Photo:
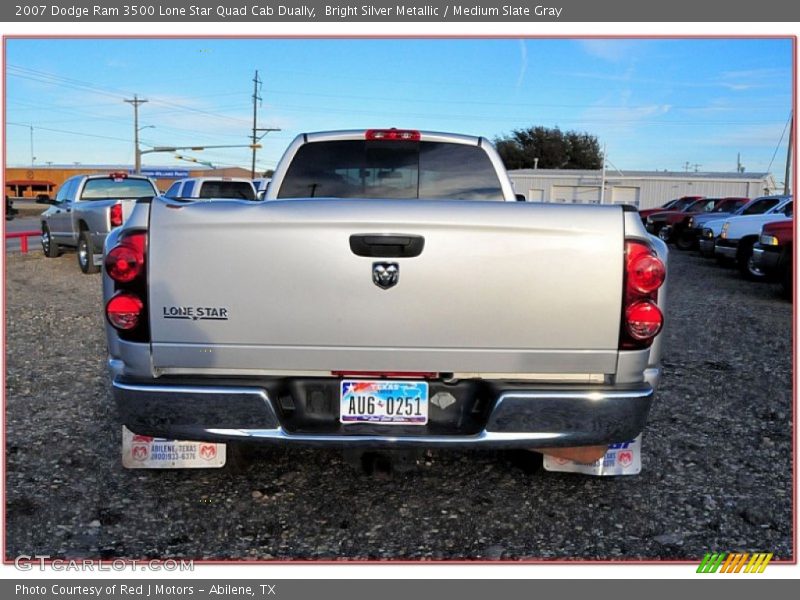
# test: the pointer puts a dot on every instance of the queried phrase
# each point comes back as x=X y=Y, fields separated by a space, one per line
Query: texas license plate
x=384 y=402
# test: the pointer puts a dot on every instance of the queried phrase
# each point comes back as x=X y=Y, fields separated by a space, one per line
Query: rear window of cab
x=391 y=169
x=106 y=188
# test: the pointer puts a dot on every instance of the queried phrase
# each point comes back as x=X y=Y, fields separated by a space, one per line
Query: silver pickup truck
x=86 y=208
x=389 y=292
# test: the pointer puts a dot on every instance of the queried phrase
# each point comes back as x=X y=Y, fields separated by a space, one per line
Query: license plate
x=384 y=402
x=145 y=452
x=620 y=459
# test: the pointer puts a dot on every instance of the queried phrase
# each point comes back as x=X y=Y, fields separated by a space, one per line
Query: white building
x=643 y=189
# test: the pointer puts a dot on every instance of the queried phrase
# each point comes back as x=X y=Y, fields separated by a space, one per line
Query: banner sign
x=401 y=11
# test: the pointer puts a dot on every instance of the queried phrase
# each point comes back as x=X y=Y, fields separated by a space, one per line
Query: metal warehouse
x=644 y=189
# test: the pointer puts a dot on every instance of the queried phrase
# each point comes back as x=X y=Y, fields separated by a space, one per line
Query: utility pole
x=255 y=138
x=33 y=158
x=137 y=155
x=788 y=176
x=256 y=100
x=603 y=178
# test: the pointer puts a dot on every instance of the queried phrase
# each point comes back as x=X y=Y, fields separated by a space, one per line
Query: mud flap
x=621 y=459
x=144 y=452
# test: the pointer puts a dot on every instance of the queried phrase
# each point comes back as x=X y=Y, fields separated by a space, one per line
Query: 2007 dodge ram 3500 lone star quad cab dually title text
x=390 y=292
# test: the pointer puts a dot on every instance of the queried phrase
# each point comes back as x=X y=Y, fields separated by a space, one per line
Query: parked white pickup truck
x=212 y=188
x=86 y=208
x=738 y=235
x=389 y=292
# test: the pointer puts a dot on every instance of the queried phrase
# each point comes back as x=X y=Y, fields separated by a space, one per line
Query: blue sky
x=656 y=104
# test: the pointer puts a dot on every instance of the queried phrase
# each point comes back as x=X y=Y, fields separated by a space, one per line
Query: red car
x=686 y=231
x=772 y=255
x=676 y=204
x=661 y=223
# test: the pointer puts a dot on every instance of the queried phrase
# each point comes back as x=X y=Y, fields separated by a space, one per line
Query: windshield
x=727 y=205
x=759 y=207
x=670 y=204
x=227 y=189
x=703 y=205
x=391 y=169
x=117 y=189
x=682 y=203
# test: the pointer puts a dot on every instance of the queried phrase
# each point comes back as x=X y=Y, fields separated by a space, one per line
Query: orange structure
x=33 y=182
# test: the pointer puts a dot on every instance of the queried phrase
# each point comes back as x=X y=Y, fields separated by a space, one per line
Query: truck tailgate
x=499 y=287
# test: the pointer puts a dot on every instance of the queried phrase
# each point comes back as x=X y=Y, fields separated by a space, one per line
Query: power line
x=394 y=114
x=104 y=137
x=65 y=82
x=81 y=84
x=93 y=117
x=198 y=110
x=774 y=154
x=509 y=104
x=42 y=76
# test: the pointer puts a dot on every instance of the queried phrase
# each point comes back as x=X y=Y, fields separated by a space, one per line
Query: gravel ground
x=717 y=466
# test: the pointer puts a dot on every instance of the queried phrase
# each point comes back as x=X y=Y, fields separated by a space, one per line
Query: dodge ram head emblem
x=385 y=275
x=208 y=451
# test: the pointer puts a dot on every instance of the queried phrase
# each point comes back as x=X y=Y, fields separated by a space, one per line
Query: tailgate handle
x=387 y=245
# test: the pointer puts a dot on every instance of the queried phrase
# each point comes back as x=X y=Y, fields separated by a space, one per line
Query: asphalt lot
x=716 y=475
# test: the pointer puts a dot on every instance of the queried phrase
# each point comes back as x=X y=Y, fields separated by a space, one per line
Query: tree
x=553 y=148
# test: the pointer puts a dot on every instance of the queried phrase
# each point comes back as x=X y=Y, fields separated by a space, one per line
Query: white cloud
x=523 y=60
x=610 y=50
x=750 y=135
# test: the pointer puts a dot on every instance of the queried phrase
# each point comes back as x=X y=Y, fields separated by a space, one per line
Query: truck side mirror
x=519 y=197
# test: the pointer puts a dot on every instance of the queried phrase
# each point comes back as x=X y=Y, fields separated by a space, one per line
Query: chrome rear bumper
x=548 y=416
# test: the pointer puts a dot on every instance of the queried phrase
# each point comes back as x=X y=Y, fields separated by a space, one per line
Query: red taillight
x=125 y=261
x=126 y=265
x=645 y=273
x=406 y=135
x=115 y=215
x=643 y=320
x=124 y=311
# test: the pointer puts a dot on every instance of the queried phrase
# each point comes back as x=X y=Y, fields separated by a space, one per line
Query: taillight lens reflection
x=643 y=320
x=646 y=273
x=124 y=311
x=125 y=262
